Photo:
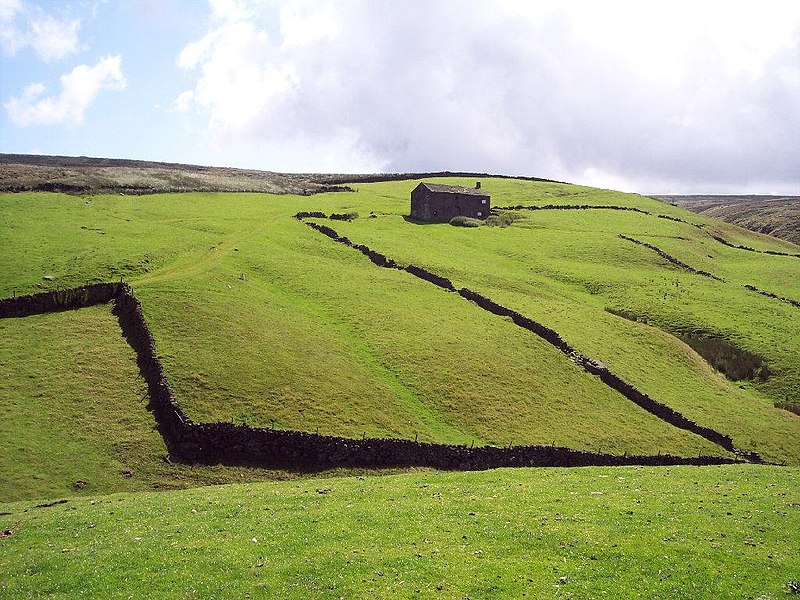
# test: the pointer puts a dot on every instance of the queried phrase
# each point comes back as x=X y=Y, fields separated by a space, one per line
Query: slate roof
x=454 y=189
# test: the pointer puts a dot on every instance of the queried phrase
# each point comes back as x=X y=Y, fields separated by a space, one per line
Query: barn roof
x=453 y=189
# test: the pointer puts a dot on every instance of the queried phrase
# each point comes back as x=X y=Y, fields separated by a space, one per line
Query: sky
x=673 y=97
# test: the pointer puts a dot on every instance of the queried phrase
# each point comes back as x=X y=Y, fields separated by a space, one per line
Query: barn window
x=480 y=214
x=483 y=201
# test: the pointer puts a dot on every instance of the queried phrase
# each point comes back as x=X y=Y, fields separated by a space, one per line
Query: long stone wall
x=59 y=300
x=600 y=370
x=590 y=365
x=240 y=444
x=670 y=258
x=227 y=443
x=172 y=421
x=752 y=288
x=725 y=242
x=572 y=207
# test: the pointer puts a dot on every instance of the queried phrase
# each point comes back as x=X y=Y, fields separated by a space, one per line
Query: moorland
x=778 y=216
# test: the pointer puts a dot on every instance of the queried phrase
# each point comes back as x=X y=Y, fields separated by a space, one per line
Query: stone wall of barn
x=440 y=207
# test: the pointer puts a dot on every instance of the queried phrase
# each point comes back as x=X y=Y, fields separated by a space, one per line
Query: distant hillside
x=86 y=175
x=778 y=216
x=82 y=175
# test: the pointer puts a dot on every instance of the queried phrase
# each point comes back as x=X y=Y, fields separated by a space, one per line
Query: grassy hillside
x=259 y=319
x=75 y=417
x=85 y=175
x=710 y=532
x=563 y=267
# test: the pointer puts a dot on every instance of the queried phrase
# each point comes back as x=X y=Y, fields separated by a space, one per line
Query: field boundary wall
x=228 y=443
x=590 y=365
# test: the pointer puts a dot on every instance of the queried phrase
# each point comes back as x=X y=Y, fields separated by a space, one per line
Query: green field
x=682 y=532
x=260 y=319
x=563 y=268
x=74 y=412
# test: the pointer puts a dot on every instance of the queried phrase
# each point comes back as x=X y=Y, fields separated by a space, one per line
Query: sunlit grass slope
x=710 y=532
x=262 y=320
x=563 y=268
x=266 y=322
x=73 y=408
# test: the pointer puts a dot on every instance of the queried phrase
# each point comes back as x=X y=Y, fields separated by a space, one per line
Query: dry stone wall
x=670 y=258
x=240 y=444
x=228 y=443
x=170 y=417
x=700 y=226
x=59 y=300
x=600 y=370
x=572 y=207
x=725 y=242
x=752 y=288
x=590 y=365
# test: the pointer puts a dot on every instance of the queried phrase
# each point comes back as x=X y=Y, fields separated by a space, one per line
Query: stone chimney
x=477 y=185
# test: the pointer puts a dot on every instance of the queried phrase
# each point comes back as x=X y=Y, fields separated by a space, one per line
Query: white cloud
x=9 y=9
x=23 y=25
x=53 y=39
x=11 y=37
x=79 y=89
x=676 y=93
x=230 y=10
x=183 y=103
x=237 y=82
x=306 y=23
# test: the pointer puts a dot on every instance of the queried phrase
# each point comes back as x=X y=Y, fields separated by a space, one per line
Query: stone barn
x=436 y=203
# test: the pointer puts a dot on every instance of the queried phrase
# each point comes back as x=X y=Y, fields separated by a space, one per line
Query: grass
x=316 y=344
x=74 y=412
x=259 y=319
x=461 y=221
x=564 y=268
x=711 y=532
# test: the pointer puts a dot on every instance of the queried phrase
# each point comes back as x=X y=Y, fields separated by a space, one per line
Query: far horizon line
x=31 y=158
